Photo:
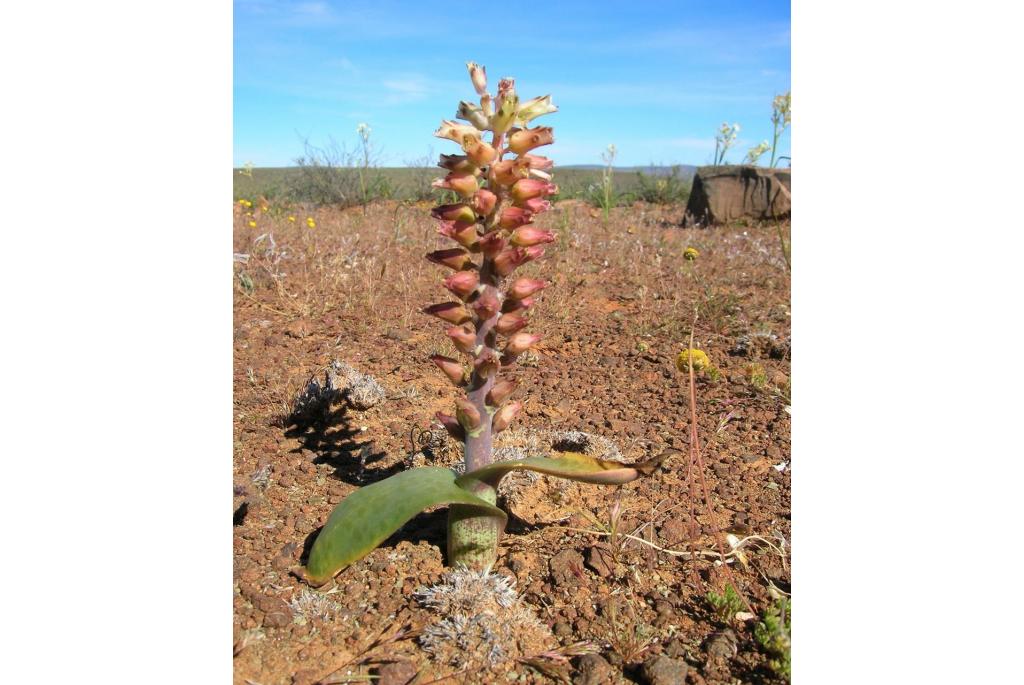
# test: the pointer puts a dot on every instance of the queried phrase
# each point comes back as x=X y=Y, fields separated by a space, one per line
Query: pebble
x=664 y=670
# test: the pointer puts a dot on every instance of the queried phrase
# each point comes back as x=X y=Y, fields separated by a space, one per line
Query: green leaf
x=369 y=515
x=570 y=465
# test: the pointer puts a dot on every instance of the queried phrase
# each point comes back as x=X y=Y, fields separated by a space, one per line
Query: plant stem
x=473 y=538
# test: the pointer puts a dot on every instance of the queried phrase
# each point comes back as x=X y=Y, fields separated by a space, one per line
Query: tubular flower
x=492 y=243
x=535 y=205
x=509 y=260
x=484 y=202
x=457 y=214
x=531 y=109
x=527 y=236
x=454 y=258
x=463 y=337
x=520 y=342
x=503 y=417
x=479 y=152
x=508 y=171
x=458 y=164
x=514 y=217
x=456 y=132
x=473 y=114
x=525 y=139
x=511 y=305
x=462 y=283
x=467 y=415
x=529 y=188
x=451 y=425
x=524 y=287
x=463 y=234
x=478 y=75
x=452 y=312
x=500 y=392
x=452 y=368
x=463 y=184
x=487 y=305
x=507 y=324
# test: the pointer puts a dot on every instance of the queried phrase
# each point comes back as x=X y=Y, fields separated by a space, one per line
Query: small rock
x=396 y=673
x=600 y=559
x=276 y=613
x=562 y=629
x=592 y=669
x=663 y=670
x=722 y=645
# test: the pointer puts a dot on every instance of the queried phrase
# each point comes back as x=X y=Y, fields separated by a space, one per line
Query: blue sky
x=657 y=79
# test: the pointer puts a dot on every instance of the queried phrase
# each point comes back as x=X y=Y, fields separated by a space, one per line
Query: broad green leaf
x=570 y=465
x=369 y=515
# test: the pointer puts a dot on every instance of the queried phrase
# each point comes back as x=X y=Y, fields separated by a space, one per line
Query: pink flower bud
x=524 y=287
x=525 y=139
x=452 y=368
x=456 y=132
x=483 y=202
x=538 y=162
x=452 y=312
x=478 y=75
x=467 y=415
x=511 y=305
x=508 y=171
x=451 y=425
x=507 y=324
x=536 y=205
x=462 y=283
x=492 y=243
x=503 y=417
x=505 y=262
x=529 y=188
x=520 y=342
x=464 y=338
x=463 y=184
x=479 y=152
x=462 y=234
x=487 y=305
x=506 y=89
x=458 y=164
x=514 y=217
x=486 y=363
x=526 y=236
x=500 y=392
x=454 y=258
x=460 y=214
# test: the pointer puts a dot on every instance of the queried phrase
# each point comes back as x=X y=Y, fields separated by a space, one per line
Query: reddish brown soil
x=619 y=310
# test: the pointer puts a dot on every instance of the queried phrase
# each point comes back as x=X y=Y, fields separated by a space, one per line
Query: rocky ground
x=583 y=606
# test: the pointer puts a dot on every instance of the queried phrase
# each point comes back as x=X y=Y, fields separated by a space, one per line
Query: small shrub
x=724 y=606
x=772 y=634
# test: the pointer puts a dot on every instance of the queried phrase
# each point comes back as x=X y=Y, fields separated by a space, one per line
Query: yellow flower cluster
x=245 y=203
x=699 y=359
x=310 y=222
x=690 y=254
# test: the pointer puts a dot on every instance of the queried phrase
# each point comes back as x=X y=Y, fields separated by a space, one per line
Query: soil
x=619 y=311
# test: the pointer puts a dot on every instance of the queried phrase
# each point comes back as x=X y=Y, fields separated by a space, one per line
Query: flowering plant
x=493 y=229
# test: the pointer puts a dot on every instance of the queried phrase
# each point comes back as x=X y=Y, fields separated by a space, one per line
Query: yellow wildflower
x=698 y=357
x=292 y=219
x=310 y=222
x=252 y=224
x=690 y=254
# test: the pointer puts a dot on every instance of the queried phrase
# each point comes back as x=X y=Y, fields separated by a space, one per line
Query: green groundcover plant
x=492 y=225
